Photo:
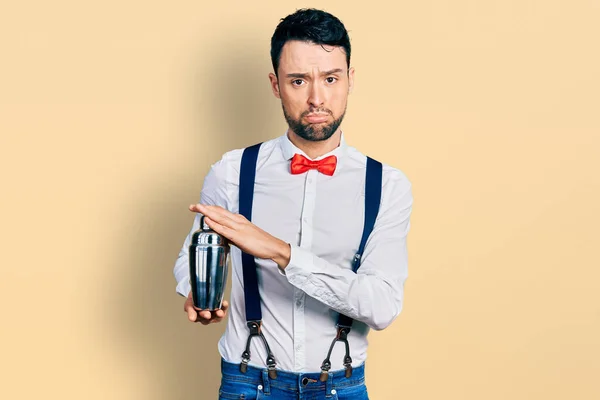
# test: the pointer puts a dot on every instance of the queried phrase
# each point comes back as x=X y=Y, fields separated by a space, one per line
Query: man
x=307 y=220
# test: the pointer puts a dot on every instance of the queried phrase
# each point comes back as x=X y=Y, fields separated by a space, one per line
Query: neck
x=315 y=149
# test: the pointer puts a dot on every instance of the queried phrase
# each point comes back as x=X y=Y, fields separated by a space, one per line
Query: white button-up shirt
x=322 y=218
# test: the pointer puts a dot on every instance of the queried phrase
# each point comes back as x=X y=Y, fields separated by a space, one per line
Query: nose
x=315 y=97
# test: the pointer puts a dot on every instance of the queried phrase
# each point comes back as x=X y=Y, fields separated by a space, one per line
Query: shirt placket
x=306 y=238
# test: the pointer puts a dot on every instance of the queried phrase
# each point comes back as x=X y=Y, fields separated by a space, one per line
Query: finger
x=229 y=233
x=192 y=314
x=219 y=214
x=196 y=208
x=203 y=208
x=225 y=305
x=213 y=209
x=205 y=314
x=218 y=218
x=219 y=314
x=203 y=319
x=217 y=227
x=239 y=218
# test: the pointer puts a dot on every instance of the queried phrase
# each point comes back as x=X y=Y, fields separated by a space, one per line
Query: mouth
x=316 y=118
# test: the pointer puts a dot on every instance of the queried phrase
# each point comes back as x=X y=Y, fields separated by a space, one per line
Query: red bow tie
x=301 y=164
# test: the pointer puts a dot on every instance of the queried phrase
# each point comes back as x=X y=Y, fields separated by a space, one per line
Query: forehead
x=298 y=56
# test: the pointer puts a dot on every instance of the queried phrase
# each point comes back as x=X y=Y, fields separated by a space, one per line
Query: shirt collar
x=289 y=149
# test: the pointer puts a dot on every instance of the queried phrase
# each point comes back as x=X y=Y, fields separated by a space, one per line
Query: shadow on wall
x=175 y=358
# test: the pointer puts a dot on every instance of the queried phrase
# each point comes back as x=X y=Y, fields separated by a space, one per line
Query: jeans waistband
x=294 y=381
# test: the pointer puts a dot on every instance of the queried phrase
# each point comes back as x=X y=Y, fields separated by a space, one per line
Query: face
x=313 y=84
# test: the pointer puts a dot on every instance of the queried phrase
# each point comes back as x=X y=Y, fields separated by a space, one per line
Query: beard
x=313 y=132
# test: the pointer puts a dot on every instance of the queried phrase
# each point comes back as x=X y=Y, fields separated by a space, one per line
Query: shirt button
x=309 y=180
x=299 y=303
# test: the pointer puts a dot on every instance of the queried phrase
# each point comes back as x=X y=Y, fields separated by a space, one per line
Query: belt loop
x=266 y=382
x=329 y=385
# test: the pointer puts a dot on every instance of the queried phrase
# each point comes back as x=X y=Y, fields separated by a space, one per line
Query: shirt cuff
x=300 y=267
x=184 y=287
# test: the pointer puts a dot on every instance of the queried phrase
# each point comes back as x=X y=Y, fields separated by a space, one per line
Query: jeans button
x=305 y=381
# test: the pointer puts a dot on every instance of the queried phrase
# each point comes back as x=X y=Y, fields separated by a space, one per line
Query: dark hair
x=309 y=25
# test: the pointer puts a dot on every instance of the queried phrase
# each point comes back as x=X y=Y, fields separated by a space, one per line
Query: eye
x=331 y=79
x=297 y=82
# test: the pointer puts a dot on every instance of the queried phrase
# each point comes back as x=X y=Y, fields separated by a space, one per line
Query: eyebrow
x=306 y=75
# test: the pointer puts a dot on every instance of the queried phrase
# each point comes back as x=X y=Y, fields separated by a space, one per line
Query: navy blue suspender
x=251 y=293
x=247 y=175
x=372 y=202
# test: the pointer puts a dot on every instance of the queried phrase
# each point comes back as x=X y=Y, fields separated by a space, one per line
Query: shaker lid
x=206 y=236
x=203 y=225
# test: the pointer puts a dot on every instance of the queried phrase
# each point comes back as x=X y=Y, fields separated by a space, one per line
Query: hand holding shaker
x=208 y=267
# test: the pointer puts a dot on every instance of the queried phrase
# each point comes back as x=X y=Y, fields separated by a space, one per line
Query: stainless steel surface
x=208 y=267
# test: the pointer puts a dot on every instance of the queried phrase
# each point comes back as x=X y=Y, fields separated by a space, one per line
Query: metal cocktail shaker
x=208 y=267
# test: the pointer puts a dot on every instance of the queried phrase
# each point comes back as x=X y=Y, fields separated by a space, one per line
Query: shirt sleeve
x=374 y=294
x=214 y=192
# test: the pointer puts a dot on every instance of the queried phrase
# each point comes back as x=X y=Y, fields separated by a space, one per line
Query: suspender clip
x=255 y=330
x=254 y=327
x=341 y=336
x=271 y=366
x=244 y=364
x=342 y=333
x=348 y=366
x=356 y=261
x=325 y=367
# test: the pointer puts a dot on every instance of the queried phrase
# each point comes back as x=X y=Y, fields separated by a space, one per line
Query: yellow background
x=111 y=113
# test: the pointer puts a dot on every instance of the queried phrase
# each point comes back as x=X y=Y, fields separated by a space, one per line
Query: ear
x=350 y=80
x=274 y=85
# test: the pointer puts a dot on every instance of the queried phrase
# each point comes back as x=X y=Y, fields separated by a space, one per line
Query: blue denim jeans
x=255 y=384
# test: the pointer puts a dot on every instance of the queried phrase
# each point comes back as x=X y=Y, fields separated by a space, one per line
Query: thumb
x=192 y=314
